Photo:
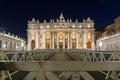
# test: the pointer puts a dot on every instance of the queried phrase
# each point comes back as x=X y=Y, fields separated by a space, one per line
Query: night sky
x=14 y=15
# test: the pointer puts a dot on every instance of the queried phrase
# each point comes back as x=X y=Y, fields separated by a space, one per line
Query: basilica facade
x=60 y=34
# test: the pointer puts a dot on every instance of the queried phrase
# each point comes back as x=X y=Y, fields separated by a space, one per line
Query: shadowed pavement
x=59 y=57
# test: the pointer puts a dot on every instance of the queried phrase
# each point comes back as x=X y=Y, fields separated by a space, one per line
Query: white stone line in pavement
x=30 y=76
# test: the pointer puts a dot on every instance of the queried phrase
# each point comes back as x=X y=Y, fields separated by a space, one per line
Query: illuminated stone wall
x=10 y=42
x=110 y=38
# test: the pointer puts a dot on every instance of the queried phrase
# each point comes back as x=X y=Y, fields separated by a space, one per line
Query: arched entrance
x=33 y=44
x=88 y=44
x=47 y=44
x=60 y=45
x=61 y=39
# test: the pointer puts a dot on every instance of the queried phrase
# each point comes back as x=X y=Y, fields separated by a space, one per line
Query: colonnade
x=9 y=45
x=67 y=41
x=63 y=40
x=55 y=40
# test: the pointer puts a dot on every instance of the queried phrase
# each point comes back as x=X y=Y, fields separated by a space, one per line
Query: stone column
x=118 y=45
x=84 y=39
x=12 y=47
x=52 y=41
x=44 y=41
x=93 y=39
x=64 y=42
x=2 y=43
x=76 y=40
x=8 y=45
x=68 y=47
x=36 y=41
x=70 y=41
x=57 y=41
x=29 y=41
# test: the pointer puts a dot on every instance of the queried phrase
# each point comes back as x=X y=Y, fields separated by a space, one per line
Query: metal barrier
x=98 y=56
x=89 y=55
x=105 y=62
x=34 y=55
